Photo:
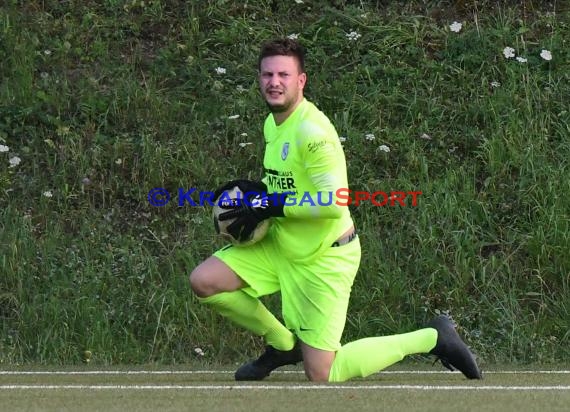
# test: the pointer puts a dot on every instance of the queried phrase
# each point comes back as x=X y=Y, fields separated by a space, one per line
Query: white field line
x=289 y=387
x=221 y=372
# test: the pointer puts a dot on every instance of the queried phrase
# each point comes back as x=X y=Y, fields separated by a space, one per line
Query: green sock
x=250 y=313
x=367 y=356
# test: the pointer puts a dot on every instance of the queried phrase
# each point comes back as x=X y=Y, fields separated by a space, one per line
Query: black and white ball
x=235 y=195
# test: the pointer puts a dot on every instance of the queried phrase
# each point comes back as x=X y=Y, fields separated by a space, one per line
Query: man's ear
x=302 y=80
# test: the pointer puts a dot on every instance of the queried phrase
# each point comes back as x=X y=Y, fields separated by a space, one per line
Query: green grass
x=394 y=390
x=103 y=101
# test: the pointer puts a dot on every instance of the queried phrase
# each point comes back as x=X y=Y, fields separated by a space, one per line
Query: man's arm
x=325 y=166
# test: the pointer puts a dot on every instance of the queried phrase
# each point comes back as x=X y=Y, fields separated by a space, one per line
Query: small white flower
x=342 y=139
x=3 y=148
x=47 y=52
x=521 y=59
x=546 y=55
x=509 y=52
x=199 y=351
x=369 y=136
x=384 y=148
x=425 y=136
x=14 y=161
x=244 y=144
x=44 y=75
x=119 y=161
x=233 y=116
x=47 y=193
x=495 y=84
x=455 y=27
x=299 y=1
x=244 y=134
x=220 y=70
x=353 y=36
x=293 y=36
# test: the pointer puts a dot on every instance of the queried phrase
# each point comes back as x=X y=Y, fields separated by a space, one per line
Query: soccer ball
x=221 y=226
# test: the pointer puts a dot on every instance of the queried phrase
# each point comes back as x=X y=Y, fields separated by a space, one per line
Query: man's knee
x=317 y=363
x=199 y=282
x=317 y=373
x=213 y=276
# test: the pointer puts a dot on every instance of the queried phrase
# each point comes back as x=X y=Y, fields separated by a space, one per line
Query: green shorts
x=314 y=295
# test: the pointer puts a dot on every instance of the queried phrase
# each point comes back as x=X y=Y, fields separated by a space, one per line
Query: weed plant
x=101 y=101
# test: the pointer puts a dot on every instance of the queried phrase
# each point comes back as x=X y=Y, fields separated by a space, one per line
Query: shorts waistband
x=347 y=239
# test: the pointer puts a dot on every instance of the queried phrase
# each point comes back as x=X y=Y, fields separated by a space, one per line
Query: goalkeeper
x=311 y=253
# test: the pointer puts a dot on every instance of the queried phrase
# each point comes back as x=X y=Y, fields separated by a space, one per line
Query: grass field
x=215 y=390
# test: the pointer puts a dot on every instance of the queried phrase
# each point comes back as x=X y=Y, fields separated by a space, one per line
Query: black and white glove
x=255 y=206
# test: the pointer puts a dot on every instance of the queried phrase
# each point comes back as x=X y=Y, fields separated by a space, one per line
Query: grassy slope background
x=102 y=101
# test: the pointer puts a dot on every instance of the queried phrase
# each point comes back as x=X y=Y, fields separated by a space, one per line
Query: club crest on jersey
x=285 y=151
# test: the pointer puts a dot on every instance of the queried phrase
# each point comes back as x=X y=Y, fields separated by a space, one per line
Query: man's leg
x=366 y=356
x=217 y=284
x=315 y=303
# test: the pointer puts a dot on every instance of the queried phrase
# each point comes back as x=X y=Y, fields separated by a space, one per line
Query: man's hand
x=254 y=206
x=259 y=206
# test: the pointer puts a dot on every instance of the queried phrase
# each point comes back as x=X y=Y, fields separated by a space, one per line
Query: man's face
x=281 y=83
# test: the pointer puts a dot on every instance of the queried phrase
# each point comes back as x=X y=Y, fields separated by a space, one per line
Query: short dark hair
x=283 y=47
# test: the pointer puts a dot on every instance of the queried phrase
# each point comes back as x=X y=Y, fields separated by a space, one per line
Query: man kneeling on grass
x=311 y=253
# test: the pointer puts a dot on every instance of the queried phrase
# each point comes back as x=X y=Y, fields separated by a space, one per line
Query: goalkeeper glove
x=255 y=207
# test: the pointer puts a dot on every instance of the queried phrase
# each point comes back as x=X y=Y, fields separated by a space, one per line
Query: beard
x=278 y=108
x=281 y=107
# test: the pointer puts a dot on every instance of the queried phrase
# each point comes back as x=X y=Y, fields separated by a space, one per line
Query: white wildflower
x=293 y=36
x=244 y=144
x=546 y=55
x=233 y=116
x=4 y=148
x=455 y=27
x=521 y=59
x=220 y=70
x=47 y=52
x=44 y=75
x=495 y=84
x=199 y=351
x=14 y=161
x=47 y=193
x=369 y=136
x=425 y=136
x=353 y=36
x=509 y=52
x=244 y=134
x=342 y=139
x=384 y=148
x=119 y=161
x=299 y=1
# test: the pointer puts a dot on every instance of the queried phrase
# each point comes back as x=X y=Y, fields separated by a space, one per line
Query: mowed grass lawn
x=215 y=390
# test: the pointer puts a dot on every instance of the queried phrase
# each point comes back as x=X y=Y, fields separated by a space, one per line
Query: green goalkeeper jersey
x=304 y=158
